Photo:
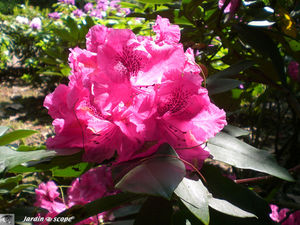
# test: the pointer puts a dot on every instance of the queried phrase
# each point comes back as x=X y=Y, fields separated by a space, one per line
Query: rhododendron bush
x=137 y=107
x=142 y=125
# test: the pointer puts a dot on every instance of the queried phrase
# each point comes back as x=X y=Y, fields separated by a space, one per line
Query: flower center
x=129 y=62
x=177 y=101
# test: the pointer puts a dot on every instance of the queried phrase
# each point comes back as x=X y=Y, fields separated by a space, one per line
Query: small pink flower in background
x=72 y=2
x=78 y=13
x=232 y=6
x=280 y=215
x=47 y=197
x=36 y=23
x=54 y=15
x=94 y=184
x=293 y=70
x=88 y=7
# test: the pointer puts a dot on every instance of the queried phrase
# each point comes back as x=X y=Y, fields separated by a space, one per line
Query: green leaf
x=66 y=71
x=9 y=180
x=226 y=207
x=235 y=131
x=223 y=188
x=155 y=210
x=216 y=86
x=51 y=73
x=3 y=130
x=71 y=171
x=26 y=148
x=81 y=212
x=232 y=70
x=9 y=183
x=60 y=166
x=15 y=135
x=21 y=187
x=194 y=196
x=89 y=22
x=237 y=153
x=158 y=175
x=263 y=44
x=64 y=34
x=10 y=158
x=72 y=24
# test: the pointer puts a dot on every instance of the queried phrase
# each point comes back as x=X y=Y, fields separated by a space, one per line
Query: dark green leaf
x=263 y=44
x=81 y=212
x=215 y=86
x=159 y=175
x=235 y=131
x=89 y=22
x=156 y=211
x=72 y=24
x=194 y=196
x=232 y=70
x=10 y=158
x=15 y=135
x=21 y=187
x=230 y=150
x=6 y=181
x=64 y=34
x=223 y=188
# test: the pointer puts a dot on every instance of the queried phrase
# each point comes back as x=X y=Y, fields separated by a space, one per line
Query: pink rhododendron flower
x=47 y=197
x=77 y=13
x=293 y=70
x=54 y=15
x=125 y=91
x=36 y=23
x=280 y=215
x=72 y=2
x=88 y=7
x=232 y=6
x=94 y=184
x=165 y=31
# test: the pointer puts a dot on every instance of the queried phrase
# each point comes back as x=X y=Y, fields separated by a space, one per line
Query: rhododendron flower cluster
x=283 y=216
x=126 y=91
x=83 y=190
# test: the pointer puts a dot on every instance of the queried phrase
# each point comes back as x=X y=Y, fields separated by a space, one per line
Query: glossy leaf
x=194 y=196
x=217 y=86
x=263 y=44
x=10 y=158
x=235 y=131
x=237 y=153
x=3 y=130
x=222 y=187
x=226 y=207
x=232 y=70
x=158 y=175
x=81 y=212
x=15 y=135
